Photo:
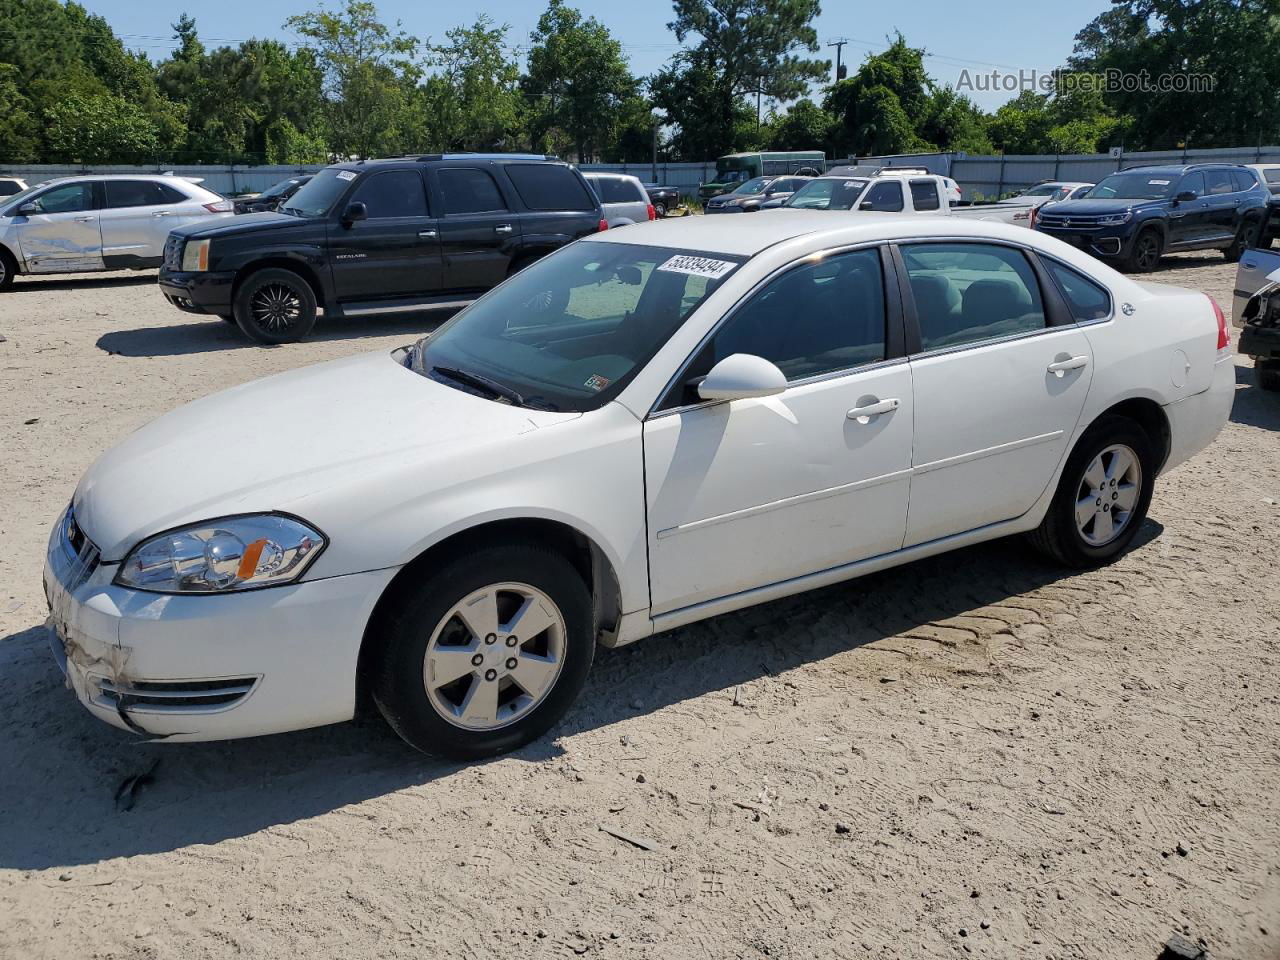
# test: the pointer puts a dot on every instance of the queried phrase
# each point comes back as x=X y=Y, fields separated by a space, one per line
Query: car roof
x=446 y=158
x=748 y=235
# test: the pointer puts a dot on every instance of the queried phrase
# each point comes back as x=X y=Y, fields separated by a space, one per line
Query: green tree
x=682 y=90
x=100 y=128
x=19 y=127
x=370 y=75
x=578 y=80
x=743 y=46
x=804 y=126
x=881 y=108
x=472 y=100
x=954 y=122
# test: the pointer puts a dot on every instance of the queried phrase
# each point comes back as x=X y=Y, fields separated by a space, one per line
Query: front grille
x=82 y=553
x=173 y=253
x=171 y=696
x=1060 y=221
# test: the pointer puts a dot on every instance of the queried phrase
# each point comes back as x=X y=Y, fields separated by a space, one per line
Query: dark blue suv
x=1134 y=217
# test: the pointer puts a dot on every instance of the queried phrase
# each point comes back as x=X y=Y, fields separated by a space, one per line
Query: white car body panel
x=713 y=507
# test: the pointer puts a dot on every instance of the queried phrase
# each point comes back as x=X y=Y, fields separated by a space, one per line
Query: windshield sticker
x=1158 y=183
x=346 y=175
x=698 y=266
x=596 y=382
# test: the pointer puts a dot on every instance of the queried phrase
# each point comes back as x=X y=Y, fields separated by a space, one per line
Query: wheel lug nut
x=477 y=659
x=1115 y=496
x=512 y=640
x=1099 y=503
x=511 y=663
x=491 y=638
x=491 y=674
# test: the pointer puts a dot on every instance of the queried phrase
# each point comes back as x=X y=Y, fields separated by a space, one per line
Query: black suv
x=379 y=236
x=1136 y=216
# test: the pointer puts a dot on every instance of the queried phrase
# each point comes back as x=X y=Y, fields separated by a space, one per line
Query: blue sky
x=1029 y=35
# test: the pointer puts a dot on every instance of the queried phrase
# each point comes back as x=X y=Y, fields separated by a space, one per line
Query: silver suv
x=80 y=224
x=623 y=198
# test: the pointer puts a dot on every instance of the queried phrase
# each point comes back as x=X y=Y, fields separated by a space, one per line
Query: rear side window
x=549 y=186
x=616 y=190
x=968 y=292
x=140 y=193
x=924 y=195
x=470 y=191
x=393 y=193
x=886 y=197
x=1272 y=174
x=1244 y=179
x=1087 y=300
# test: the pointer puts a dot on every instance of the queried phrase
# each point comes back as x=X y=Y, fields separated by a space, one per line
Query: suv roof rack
x=484 y=156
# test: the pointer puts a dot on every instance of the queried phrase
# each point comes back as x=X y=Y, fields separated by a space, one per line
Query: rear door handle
x=427 y=234
x=864 y=414
x=1059 y=368
x=502 y=228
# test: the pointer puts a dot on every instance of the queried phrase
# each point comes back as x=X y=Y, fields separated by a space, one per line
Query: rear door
x=64 y=236
x=1223 y=203
x=479 y=234
x=556 y=204
x=137 y=216
x=395 y=252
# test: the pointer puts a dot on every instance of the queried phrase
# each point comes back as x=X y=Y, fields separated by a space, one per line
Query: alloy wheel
x=1148 y=251
x=275 y=307
x=494 y=656
x=1108 y=494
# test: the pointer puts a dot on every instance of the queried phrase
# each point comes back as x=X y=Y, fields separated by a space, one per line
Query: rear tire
x=660 y=208
x=1146 y=251
x=1102 y=497
x=1247 y=237
x=275 y=306
x=1268 y=374
x=489 y=707
x=8 y=269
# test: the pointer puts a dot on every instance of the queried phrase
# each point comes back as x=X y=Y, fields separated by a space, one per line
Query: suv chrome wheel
x=1108 y=494
x=494 y=656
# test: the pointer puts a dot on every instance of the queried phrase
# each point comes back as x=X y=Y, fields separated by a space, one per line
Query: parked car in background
x=735 y=169
x=272 y=197
x=890 y=191
x=1269 y=174
x=645 y=429
x=1256 y=308
x=380 y=236
x=1133 y=217
x=81 y=224
x=11 y=185
x=752 y=195
x=868 y=171
x=1048 y=190
x=664 y=198
x=622 y=197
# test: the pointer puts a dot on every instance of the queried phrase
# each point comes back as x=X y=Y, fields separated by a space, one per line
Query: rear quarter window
x=1087 y=300
x=546 y=186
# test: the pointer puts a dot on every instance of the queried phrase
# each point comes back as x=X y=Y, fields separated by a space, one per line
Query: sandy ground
x=972 y=755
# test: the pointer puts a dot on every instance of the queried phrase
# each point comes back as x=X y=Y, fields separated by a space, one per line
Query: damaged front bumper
x=208 y=667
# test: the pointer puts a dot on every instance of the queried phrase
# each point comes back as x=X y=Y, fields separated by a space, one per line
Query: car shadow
x=1253 y=406
x=35 y=283
x=212 y=334
x=59 y=801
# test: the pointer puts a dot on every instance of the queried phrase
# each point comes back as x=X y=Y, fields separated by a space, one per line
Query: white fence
x=229 y=180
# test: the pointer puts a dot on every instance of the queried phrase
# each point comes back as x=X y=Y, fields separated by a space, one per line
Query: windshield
x=569 y=332
x=318 y=195
x=753 y=186
x=1135 y=186
x=826 y=195
x=731 y=176
x=279 y=188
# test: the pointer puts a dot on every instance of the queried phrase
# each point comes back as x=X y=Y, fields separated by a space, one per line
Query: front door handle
x=427 y=234
x=163 y=213
x=865 y=413
x=1059 y=368
x=84 y=220
x=502 y=228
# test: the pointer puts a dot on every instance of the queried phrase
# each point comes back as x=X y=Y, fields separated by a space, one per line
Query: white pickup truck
x=902 y=191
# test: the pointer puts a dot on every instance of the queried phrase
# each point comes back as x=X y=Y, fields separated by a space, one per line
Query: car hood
x=1086 y=208
x=237 y=226
x=312 y=442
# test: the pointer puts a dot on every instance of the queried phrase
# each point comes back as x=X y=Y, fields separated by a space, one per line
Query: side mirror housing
x=866 y=205
x=1186 y=196
x=28 y=209
x=355 y=212
x=742 y=375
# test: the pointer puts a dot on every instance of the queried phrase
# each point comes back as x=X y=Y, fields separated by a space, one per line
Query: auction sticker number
x=698 y=266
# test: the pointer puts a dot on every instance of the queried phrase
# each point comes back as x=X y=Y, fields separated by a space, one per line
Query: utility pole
x=839 y=43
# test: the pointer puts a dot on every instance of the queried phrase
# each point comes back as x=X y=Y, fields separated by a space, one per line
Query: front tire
x=1146 y=252
x=1268 y=374
x=275 y=306
x=487 y=653
x=8 y=269
x=1102 y=497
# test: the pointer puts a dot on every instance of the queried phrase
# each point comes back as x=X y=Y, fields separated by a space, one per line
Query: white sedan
x=644 y=429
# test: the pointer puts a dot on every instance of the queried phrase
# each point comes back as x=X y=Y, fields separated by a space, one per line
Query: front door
x=64 y=236
x=1189 y=219
x=998 y=392
x=478 y=233
x=395 y=252
x=754 y=492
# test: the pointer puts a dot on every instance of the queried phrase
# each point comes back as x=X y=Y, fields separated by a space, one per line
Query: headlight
x=1114 y=218
x=195 y=255
x=218 y=556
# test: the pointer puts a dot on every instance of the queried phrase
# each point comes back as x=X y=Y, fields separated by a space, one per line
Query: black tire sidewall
x=1107 y=431
x=244 y=317
x=660 y=209
x=397 y=678
x=1133 y=263
x=10 y=268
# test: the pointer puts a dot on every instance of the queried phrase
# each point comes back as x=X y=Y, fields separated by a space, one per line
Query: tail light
x=602 y=225
x=220 y=206
x=1224 y=333
x=653 y=214
x=1031 y=223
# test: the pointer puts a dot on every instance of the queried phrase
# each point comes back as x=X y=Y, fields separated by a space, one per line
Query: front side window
x=570 y=331
x=1192 y=183
x=1218 y=182
x=885 y=197
x=470 y=190
x=924 y=195
x=968 y=292
x=70 y=198
x=814 y=319
x=393 y=193
x=1087 y=300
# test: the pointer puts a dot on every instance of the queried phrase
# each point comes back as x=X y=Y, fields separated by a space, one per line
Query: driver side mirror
x=740 y=376
x=355 y=211
x=1186 y=196
x=28 y=209
x=866 y=205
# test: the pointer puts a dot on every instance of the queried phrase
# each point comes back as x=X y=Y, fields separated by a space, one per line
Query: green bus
x=734 y=169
